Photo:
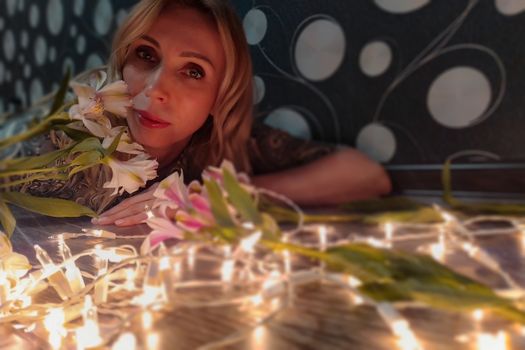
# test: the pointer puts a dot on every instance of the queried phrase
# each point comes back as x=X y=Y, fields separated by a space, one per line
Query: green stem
x=38 y=129
x=31 y=179
x=309 y=218
x=7 y=174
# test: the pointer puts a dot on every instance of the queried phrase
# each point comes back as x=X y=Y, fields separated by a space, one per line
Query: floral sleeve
x=273 y=150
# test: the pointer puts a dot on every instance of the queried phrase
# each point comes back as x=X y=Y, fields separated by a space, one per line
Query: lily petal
x=132 y=174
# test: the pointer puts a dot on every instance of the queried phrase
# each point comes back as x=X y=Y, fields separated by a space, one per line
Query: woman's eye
x=195 y=73
x=145 y=53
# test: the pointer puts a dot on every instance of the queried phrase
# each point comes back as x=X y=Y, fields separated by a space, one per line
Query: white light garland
x=158 y=281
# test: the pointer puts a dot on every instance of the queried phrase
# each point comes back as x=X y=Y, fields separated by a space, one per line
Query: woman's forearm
x=343 y=176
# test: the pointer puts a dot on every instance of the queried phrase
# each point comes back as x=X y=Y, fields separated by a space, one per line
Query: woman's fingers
x=124 y=210
x=145 y=196
x=130 y=211
x=132 y=220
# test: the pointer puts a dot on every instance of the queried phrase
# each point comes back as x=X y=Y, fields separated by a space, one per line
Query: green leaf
x=219 y=207
x=34 y=162
x=112 y=148
x=7 y=219
x=372 y=206
x=28 y=179
x=279 y=213
x=40 y=128
x=85 y=161
x=87 y=158
x=270 y=228
x=446 y=182
x=227 y=234
x=24 y=172
x=55 y=207
x=241 y=199
x=390 y=292
x=74 y=134
x=61 y=93
x=89 y=144
x=475 y=208
x=422 y=215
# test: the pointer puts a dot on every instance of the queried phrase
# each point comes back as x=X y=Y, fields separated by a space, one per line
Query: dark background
x=448 y=75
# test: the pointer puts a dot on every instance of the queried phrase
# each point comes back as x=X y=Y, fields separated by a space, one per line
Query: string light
x=406 y=339
x=88 y=335
x=54 y=274
x=487 y=341
x=126 y=341
x=478 y=315
x=4 y=286
x=161 y=277
x=102 y=284
x=389 y=234
x=73 y=274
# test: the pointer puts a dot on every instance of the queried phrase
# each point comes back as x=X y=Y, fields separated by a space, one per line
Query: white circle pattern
x=81 y=44
x=11 y=7
x=9 y=45
x=510 y=7
x=37 y=90
x=375 y=58
x=24 y=39
x=121 y=16
x=255 y=26
x=459 y=97
x=259 y=89
x=27 y=70
x=93 y=61
x=68 y=63
x=291 y=121
x=103 y=16
x=55 y=16
x=34 y=16
x=20 y=92
x=320 y=49
x=377 y=141
x=40 y=50
x=78 y=7
x=401 y=6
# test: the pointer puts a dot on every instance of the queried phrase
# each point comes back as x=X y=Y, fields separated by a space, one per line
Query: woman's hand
x=129 y=212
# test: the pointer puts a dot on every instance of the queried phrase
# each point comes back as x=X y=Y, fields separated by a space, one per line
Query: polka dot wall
x=40 y=39
x=409 y=82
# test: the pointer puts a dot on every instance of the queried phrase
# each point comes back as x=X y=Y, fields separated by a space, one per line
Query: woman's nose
x=156 y=89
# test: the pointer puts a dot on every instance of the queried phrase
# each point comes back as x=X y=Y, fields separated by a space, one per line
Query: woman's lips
x=150 y=121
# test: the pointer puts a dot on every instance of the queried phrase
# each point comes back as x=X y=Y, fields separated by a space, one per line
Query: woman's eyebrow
x=182 y=54
x=196 y=55
x=151 y=40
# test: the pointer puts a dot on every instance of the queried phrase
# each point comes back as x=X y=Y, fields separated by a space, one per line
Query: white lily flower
x=92 y=103
x=132 y=174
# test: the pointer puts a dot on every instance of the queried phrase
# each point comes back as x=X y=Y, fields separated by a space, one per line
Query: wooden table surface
x=321 y=316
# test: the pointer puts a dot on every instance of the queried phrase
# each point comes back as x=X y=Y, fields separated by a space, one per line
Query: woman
x=188 y=69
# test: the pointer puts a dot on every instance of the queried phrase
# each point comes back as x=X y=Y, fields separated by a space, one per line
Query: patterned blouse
x=269 y=150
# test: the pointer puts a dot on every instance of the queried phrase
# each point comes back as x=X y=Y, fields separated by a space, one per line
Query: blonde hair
x=233 y=117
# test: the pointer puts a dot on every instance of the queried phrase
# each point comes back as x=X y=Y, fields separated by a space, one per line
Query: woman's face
x=173 y=74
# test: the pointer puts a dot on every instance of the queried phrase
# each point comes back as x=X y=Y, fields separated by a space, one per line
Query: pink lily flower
x=162 y=230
